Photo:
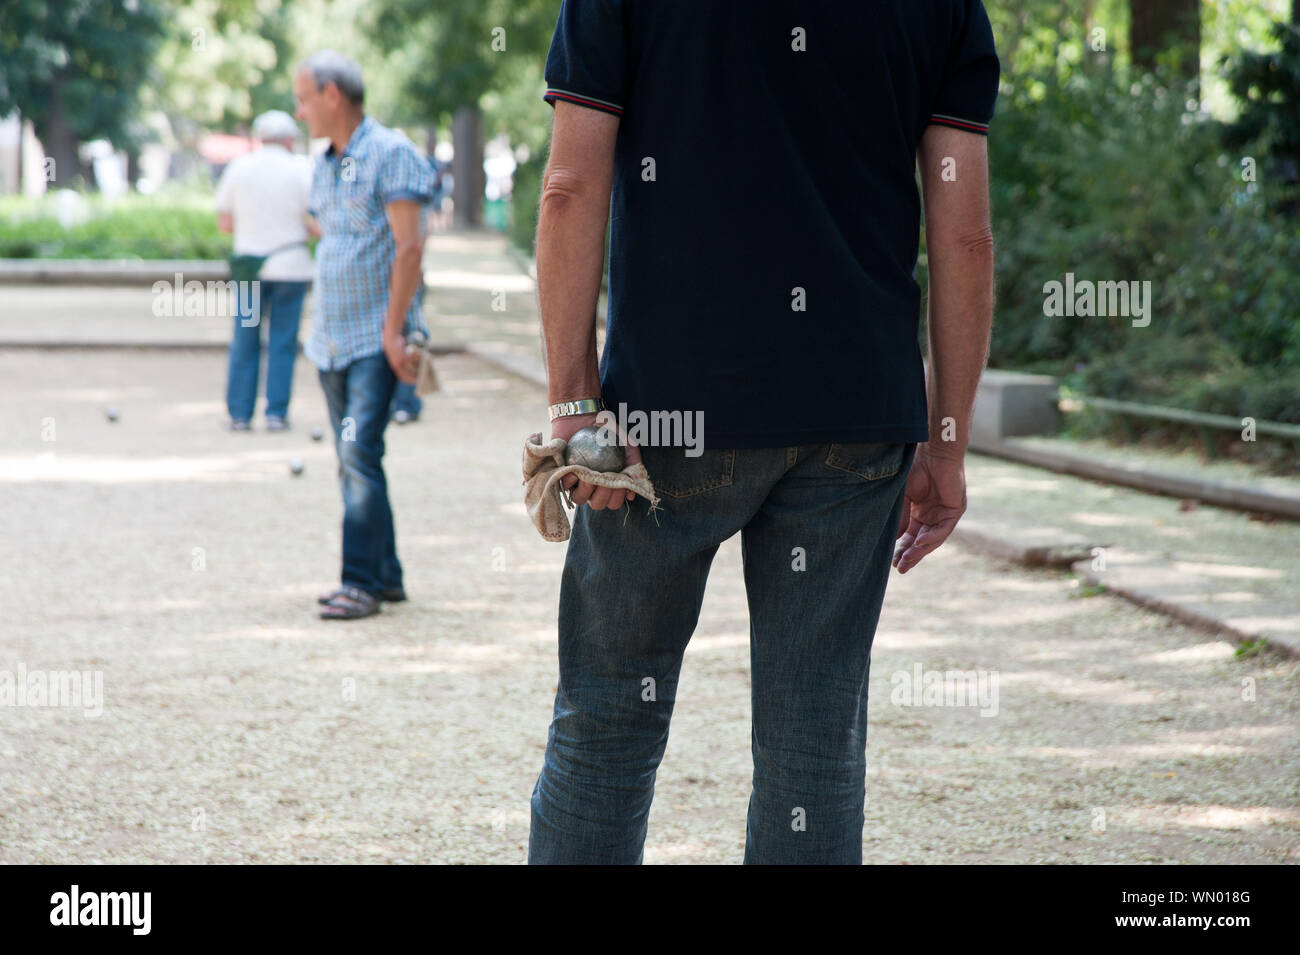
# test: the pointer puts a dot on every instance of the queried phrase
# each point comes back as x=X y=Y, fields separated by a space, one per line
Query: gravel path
x=237 y=727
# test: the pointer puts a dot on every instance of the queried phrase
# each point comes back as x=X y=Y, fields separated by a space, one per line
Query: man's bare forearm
x=402 y=283
x=960 y=320
x=959 y=243
x=570 y=258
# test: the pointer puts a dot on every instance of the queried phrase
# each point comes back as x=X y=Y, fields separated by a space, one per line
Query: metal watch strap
x=565 y=409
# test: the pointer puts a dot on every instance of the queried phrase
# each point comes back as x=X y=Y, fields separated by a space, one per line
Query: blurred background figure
x=407 y=405
x=439 y=208
x=370 y=193
x=262 y=199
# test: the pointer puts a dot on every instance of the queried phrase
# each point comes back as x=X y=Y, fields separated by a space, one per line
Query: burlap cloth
x=544 y=467
x=426 y=379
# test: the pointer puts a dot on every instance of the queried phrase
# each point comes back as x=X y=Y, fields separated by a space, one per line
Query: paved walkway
x=81 y=314
x=181 y=562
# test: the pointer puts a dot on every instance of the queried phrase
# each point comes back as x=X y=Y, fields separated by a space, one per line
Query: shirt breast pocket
x=359 y=211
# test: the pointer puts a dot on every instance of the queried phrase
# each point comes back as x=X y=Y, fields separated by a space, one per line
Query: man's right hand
x=934 y=501
x=406 y=366
x=597 y=496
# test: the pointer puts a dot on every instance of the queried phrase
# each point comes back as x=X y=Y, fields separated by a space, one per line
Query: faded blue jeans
x=358 y=397
x=281 y=312
x=817 y=526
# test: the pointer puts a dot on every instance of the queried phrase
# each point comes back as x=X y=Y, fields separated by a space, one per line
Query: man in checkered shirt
x=370 y=193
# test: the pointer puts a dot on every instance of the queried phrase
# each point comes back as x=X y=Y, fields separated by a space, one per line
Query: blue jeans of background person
x=405 y=399
x=358 y=397
x=817 y=526
x=281 y=311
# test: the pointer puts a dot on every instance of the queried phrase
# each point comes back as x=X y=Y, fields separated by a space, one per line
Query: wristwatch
x=565 y=409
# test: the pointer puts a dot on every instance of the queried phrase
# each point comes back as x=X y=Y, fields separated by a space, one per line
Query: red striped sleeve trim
x=957 y=123
x=588 y=101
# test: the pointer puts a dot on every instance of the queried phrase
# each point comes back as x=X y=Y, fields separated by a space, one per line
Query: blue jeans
x=280 y=311
x=405 y=399
x=358 y=397
x=817 y=526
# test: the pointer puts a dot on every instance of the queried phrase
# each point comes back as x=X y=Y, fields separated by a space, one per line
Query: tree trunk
x=132 y=167
x=22 y=140
x=1156 y=25
x=60 y=145
x=1089 y=56
x=467 y=167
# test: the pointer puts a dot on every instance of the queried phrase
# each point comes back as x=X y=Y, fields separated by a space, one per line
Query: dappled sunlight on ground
x=477 y=281
x=1102 y=691
x=57 y=467
x=1205 y=817
x=184 y=563
x=1095 y=519
x=1193 y=655
x=1230 y=571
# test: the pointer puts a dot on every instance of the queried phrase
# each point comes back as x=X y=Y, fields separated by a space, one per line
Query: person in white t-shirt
x=263 y=198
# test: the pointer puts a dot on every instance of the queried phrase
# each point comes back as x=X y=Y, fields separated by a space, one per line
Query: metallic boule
x=595 y=448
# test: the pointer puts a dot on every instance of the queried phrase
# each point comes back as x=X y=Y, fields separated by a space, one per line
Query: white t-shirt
x=268 y=192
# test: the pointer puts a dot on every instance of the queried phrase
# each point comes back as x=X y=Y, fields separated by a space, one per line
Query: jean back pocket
x=674 y=474
x=871 y=462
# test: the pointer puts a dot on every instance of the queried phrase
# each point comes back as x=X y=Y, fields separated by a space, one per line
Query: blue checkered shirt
x=354 y=259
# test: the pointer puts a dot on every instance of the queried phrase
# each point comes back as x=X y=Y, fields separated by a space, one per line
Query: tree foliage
x=75 y=68
x=223 y=62
x=1268 y=85
x=463 y=50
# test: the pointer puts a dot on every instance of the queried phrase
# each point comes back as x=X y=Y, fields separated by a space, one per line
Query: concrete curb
x=113 y=272
x=524 y=263
x=1070 y=552
x=1237 y=497
x=1060 y=554
x=451 y=348
x=1186 y=615
x=91 y=344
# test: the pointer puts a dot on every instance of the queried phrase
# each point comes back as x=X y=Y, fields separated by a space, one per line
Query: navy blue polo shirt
x=765 y=215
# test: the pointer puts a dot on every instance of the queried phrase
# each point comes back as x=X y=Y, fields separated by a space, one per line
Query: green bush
x=1119 y=181
x=1267 y=85
x=525 y=195
x=132 y=227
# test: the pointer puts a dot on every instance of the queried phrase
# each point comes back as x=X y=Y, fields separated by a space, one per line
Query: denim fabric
x=358 y=397
x=405 y=399
x=280 y=312
x=630 y=598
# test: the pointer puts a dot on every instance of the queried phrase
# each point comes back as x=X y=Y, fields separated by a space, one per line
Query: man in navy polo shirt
x=756 y=160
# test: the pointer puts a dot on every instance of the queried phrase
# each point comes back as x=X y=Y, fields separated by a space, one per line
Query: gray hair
x=275 y=126
x=330 y=66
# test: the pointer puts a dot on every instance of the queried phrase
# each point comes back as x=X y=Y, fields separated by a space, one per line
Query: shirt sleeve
x=587 y=62
x=406 y=175
x=970 y=82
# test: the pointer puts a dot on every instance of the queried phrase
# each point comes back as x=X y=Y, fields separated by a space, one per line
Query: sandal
x=392 y=595
x=350 y=603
